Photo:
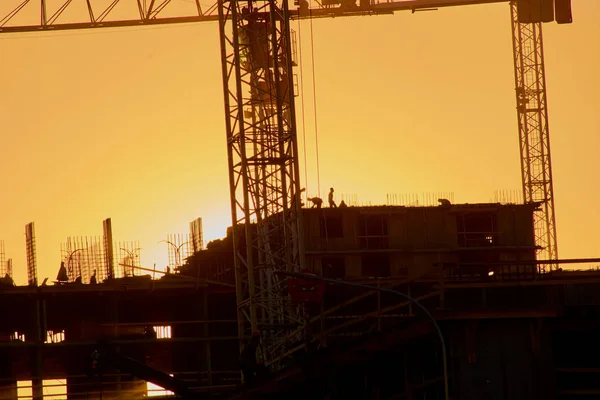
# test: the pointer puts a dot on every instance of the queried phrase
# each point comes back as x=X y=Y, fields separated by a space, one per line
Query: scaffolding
x=418 y=199
x=87 y=256
x=508 y=197
x=180 y=247
x=128 y=256
x=83 y=257
x=3 y=266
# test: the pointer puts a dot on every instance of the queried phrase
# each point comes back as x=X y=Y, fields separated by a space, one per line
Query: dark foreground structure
x=511 y=332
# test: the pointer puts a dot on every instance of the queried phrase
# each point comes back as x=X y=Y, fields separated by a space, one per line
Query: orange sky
x=129 y=123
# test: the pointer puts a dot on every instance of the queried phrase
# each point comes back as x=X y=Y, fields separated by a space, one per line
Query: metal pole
x=380 y=289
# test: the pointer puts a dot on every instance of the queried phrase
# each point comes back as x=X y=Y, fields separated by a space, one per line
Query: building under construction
x=434 y=302
x=510 y=331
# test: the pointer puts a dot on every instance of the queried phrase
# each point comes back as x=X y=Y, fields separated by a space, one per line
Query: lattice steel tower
x=263 y=166
x=534 y=138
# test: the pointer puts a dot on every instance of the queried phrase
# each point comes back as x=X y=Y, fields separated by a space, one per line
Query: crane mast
x=534 y=137
x=262 y=152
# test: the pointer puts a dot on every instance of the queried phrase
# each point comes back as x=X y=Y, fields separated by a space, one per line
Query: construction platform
x=511 y=332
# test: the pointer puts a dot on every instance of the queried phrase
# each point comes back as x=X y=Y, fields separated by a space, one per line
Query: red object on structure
x=306 y=290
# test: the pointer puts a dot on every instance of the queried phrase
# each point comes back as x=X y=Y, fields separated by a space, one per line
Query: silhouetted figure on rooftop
x=444 y=202
x=7 y=280
x=316 y=201
x=331 y=201
x=62 y=273
x=168 y=270
x=343 y=204
x=93 y=278
x=78 y=280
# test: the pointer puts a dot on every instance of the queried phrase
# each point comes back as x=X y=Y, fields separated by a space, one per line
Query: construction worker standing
x=331 y=202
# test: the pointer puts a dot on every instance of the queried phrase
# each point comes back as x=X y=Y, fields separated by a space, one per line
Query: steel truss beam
x=534 y=139
x=38 y=15
x=263 y=166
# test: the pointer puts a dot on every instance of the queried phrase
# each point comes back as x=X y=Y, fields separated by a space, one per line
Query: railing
x=352 y=314
x=518 y=270
x=489 y=273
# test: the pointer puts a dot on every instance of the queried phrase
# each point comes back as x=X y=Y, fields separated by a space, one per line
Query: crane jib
x=105 y=18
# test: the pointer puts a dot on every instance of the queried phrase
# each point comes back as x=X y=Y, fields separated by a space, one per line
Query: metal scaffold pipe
x=386 y=290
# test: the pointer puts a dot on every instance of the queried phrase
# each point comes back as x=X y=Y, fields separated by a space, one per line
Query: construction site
x=305 y=297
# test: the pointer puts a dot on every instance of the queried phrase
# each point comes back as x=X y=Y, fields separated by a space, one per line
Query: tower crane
x=262 y=147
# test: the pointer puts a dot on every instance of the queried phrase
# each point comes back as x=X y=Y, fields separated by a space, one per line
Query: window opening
x=373 y=231
x=476 y=230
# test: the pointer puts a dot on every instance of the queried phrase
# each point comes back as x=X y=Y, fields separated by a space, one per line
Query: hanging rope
x=302 y=104
x=312 y=49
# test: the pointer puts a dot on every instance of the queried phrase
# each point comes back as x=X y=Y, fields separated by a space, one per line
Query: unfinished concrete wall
x=398 y=230
x=331 y=229
x=417 y=232
x=436 y=225
x=414 y=241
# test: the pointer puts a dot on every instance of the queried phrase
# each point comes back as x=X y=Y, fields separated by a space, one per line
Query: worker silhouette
x=7 y=280
x=444 y=202
x=93 y=278
x=317 y=202
x=331 y=201
x=62 y=273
